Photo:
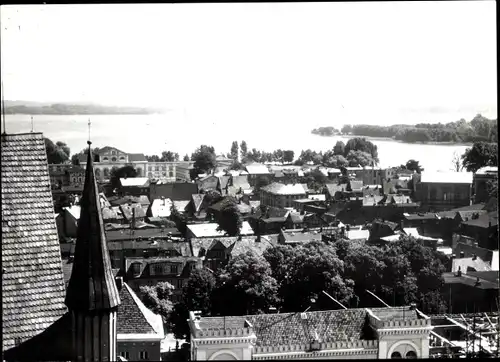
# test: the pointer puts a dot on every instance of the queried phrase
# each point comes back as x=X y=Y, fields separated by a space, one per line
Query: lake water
x=151 y=134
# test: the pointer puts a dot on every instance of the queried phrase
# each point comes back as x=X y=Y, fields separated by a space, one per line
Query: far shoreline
x=399 y=141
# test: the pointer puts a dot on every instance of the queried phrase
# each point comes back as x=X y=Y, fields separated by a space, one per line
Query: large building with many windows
x=109 y=158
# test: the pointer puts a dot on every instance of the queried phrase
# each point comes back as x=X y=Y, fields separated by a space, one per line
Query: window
x=444 y=196
x=157 y=269
x=113 y=152
x=113 y=159
x=143 y=355
x=104 y=158
x=125 y=354
x=173 y=269
x=170 y=174
x=157 y=168
x=122 y=158
x=411 y=354
x=106 y=172
x=179 y=283
x=136 y=269
x=395 y=355
x=163 y=168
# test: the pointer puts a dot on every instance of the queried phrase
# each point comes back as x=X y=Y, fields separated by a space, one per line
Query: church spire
x=92 y=287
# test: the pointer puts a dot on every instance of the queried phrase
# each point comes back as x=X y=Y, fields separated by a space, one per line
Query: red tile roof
x=32 y=283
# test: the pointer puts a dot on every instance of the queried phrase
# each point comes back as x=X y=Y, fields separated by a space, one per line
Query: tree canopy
x=234 y=150
x=229 y=220
x=413 y=165
x=204 y=159
x=480 y=155
x=122 y=172
x=158 y=298
x=288 y=156
x=56 y=153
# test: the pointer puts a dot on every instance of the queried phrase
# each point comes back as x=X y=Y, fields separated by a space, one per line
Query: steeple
x=92 y=287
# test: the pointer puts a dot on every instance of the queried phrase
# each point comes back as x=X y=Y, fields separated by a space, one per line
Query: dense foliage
x=122 y=172
x=325 y=131
x=229 y=220
x=74 y=109
x=166 y=156
x=234 y=150
x=478 y=129
x=75 y=159
x=480 y=155
x=56 y=153
x=204 y=160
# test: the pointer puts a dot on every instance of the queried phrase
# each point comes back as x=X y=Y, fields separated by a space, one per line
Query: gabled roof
x=181 y=205
x=372 y=200
x=484 y=221
x=197 y=200
x=136 y=157
x=446 y=177
x=32 y=276
x=133 y=317
x=108 y=148
x=92 y=286
x=469 y=250
x=136 y=235
x=210 y=230
x=210 y=182
x=127 y=211
x=257 y=169
x=223 y=181
x=282 y=189
x=333 y=188
x=134 y=182
x=176 y=191
x=240 y=181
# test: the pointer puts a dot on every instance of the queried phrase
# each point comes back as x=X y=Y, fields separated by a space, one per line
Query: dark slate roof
x=176 y=191
x=330 y=325
x=250 y=244
x=115 y=235
x=210 y=182
x=484 y=221
x=394 y=313
x=68 y=268
x=216 y=323
x=469 y=250
x=133 y=157
x=92 y=286
x=129 y=318
x=32 y=280
x=143 y=200
x=470 y=280
x=108 y=148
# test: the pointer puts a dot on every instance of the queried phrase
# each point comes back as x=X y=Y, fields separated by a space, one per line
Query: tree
x=346 y=129
x=456 y=162
x=480 y=155
x=75 y=159
x=153 y=158
x=288 y=156
x=234 y=150
x=204 y=159
x=123 y=172
x=158 y=298
x=363 y=145
x=492 y=187
x=197 y=293
x=211 y=196
x=236 y=165
x=339 y=148
x=243 y=149
x=278 y=155
x=56 y=153
x=315 y=267
x=360 y=158
x=246 y=286
x=413 y=165
x=186 y=157
x=169 y=156
x=229 y=220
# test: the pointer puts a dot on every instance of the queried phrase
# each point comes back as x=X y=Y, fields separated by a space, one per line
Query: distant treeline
x=478 y=129
x=325 y=131
x=74 y=109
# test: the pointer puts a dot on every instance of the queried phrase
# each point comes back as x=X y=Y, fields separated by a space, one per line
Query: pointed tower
x=92 y=296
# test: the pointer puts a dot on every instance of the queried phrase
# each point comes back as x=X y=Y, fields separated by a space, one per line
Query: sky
x=376 y=63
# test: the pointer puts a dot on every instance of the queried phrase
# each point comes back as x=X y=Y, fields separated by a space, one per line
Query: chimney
x=119 y=282
x=474 y=256
x=459 y=272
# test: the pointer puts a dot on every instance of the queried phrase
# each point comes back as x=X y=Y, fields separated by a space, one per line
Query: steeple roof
x=92 y=286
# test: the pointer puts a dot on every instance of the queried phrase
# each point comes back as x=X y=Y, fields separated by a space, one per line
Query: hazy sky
x=305 y=62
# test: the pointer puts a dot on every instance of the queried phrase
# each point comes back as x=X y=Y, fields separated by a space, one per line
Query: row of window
x=143 y=355
x=113 y=159
x=160 y=168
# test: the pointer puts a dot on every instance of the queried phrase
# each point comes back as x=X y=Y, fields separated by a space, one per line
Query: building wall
x=442 y=196
x=152 y=170
x=132 y=350
x=281 y=201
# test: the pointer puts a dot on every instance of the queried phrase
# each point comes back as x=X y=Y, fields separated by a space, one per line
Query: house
x=482 y=228
x=237 y=185
x=70 y=216
x=298 y=236
x=31 y=259
x=426 y=240
x=481 y=181
x=224 y=181
x=140 y=271
x=197 y=207
x=66 y=175
x=209 y=230
x=216 y=252
x=143 y=200
x=300 y=204
x=268 y=221
x=176 y=191
x=427 y=223
x=133 y=213
x=357 y=233
x=209 y=183
x=134 y=186
x=372 y=190
x=462 y=250
x=439 y=191
x=45 y=322
x=381 y=228
x=471 y=291
x=333 y=192
x=139 y=330
x=304 y=220
x=361 y=333
x=258 y=171
x=243 y=209
x=281 y=195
